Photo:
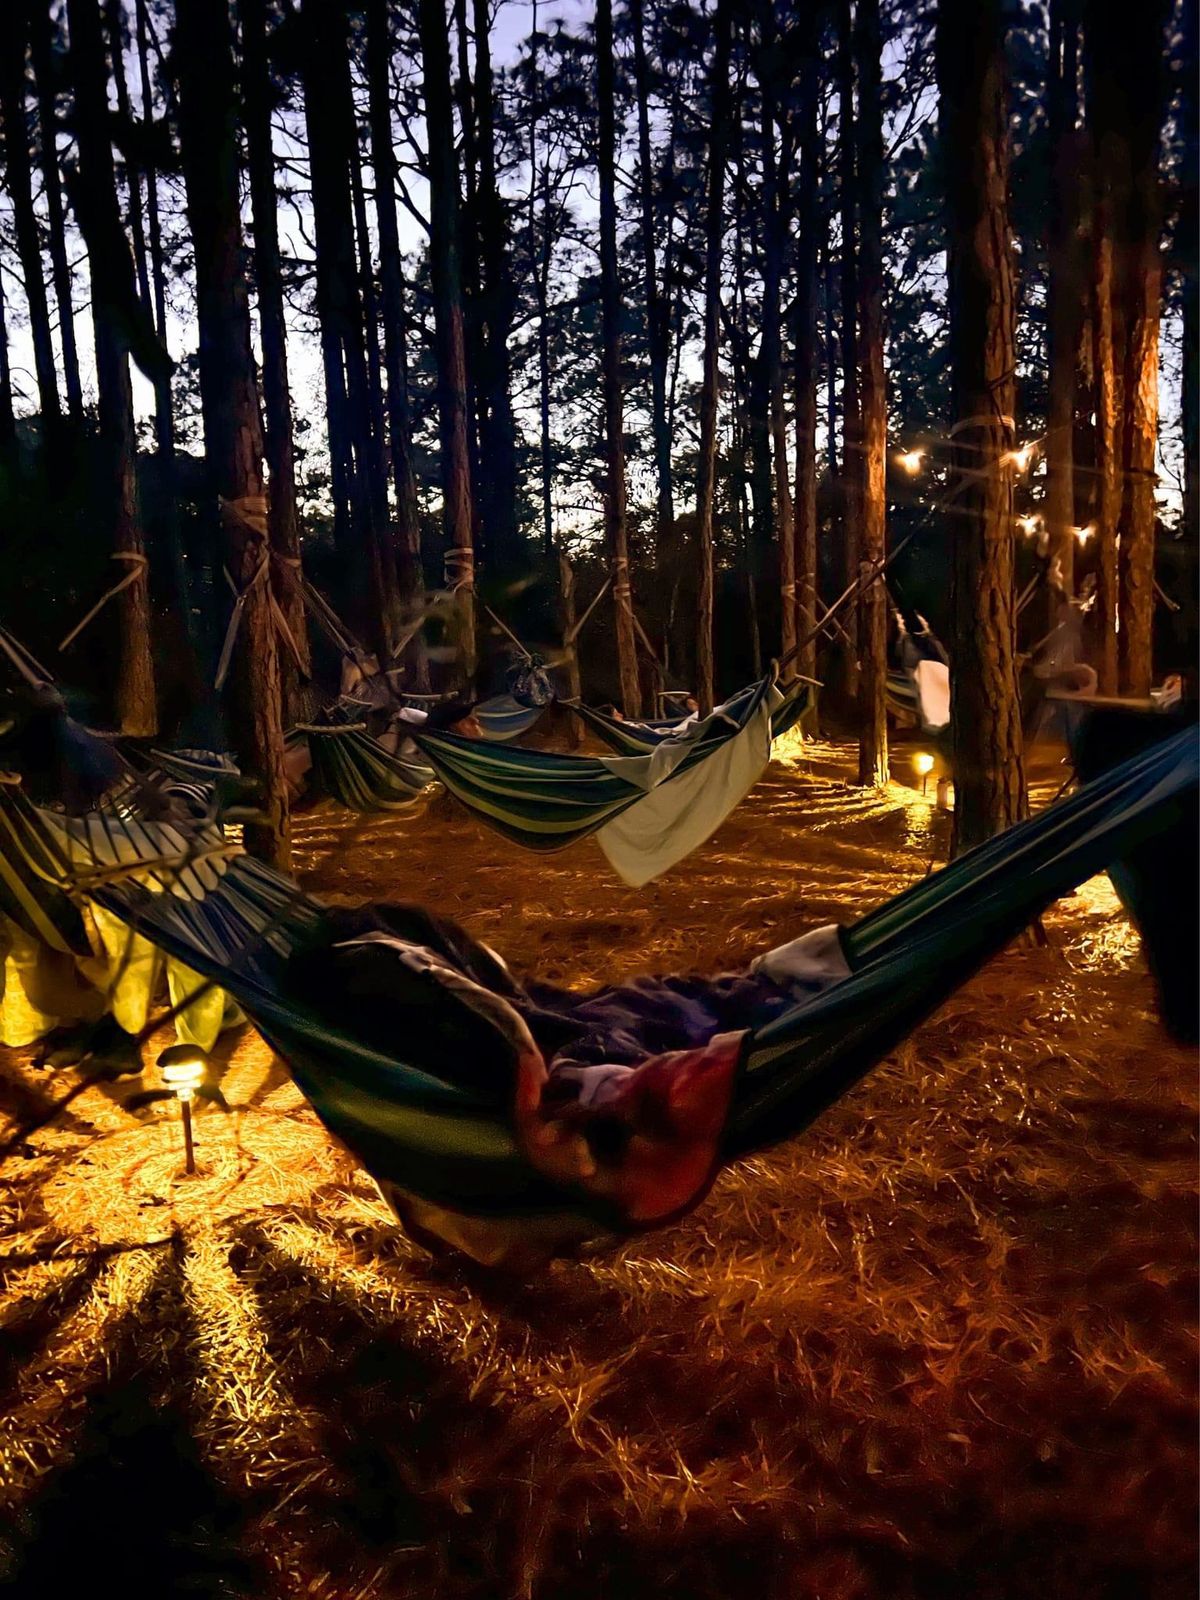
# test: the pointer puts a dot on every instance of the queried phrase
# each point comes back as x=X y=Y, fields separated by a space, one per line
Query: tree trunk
x=851 y=473
x=1064 y=300
x=872 y=630
x=497 y=306
x=614 y=426
x=775 y=220
x=329 y=117
x=658 y=335
x=43 y=68
x=806 y=368
x=714 y=234
x=985 y=716
x=448 y=317
x=229 y=398
x=135 y=701
x=409 y=576
x=18 y=178
x=8 y=421
x=541 y=288
x=570 y=635
x=1107 y=465
x=282 y=520
x=115 y=20
x=1188 y=231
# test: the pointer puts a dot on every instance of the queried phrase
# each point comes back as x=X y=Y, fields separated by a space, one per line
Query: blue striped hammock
x=628 y=737
x=464 y=1166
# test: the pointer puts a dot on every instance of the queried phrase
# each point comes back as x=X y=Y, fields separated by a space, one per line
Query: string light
x=910 y=460
x=1029 y=524
x=1020 y=458
x=1082 y=535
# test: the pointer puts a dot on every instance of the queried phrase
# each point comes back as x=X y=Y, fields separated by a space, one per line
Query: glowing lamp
x=1029 y=525
x=923 y=762
x=910 y=460
x=1021 y=458
x=183 y=1067
x=1082 y=535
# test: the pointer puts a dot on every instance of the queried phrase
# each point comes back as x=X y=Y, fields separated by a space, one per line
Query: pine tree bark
x=409 y=576
x=985 y=715
x=445 y=271
x=1189 y=230
x=1106 y=436
x=658 y=332
x=497 y=306
x=614 y=424
x=229 y=399
x=775 y=221
x=283 y=523
x=1064 y=300
x=851 y=472
x=43 y=68
x=710 y=381
x=8 y=421
x=135 y=699
x=872 y=629
x=18 y=178
x=115 y=21
x=807 y=360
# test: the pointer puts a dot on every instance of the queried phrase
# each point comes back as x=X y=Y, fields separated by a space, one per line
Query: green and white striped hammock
x=631 y=738
x=648 y=810
x=465 y=1165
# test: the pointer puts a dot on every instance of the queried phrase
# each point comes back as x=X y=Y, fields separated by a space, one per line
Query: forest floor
x=942 y=1345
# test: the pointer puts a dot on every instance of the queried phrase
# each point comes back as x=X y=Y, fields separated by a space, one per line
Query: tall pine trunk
x=135 y=700
x=445 y=272
x=872 y=630
x=775 y=219
x=18 y=180
x=497 y=306
x=985 y=714
x=1106 y=440
x=282 y=520
x=851 y=473
x=409 y=576
x=8 y=421
x=233 y=443
x=658 y=335
x=1064 y=299
x=807 y=358
x=115 y=21
x=610 y=305
x=42 y=49
x=710 y=381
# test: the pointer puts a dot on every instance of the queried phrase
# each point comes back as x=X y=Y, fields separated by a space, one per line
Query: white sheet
x=932 y=679
x=676 y=817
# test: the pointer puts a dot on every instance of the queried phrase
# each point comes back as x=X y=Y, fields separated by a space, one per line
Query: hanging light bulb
x=1020 y=458
x=1082 y=535
x=910 y=460
x=183 y=1067
x=1029 y=524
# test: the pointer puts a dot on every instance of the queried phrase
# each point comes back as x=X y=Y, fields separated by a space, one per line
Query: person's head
x=692 y=703
x=455 y=716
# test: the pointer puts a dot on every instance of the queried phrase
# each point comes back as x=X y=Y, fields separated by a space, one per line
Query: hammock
x=635 y=738
x=67 y=959
x=503 y=718
x=471 y=1166
x=355 y=769
x=649 y=810
x=918 y=687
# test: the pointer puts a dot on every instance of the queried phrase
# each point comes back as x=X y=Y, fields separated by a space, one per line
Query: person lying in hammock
x=621 y=1092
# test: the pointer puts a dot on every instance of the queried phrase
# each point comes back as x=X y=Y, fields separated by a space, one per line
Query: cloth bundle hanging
x=648 y=810
x=461 y=1125
x=529 y=683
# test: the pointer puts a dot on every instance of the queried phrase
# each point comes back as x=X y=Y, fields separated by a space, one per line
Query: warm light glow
x=183 y=1067
x=923 y=763
x=1021 y=458
x=1082 y=535
x=910 y=460
x=1029 y=524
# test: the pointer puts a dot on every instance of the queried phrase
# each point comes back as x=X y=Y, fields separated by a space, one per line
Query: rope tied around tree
x=249 y=514
x=458 y=568
x=138 y=564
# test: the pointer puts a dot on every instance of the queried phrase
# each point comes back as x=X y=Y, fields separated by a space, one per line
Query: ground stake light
x=183 y=1067
x=923 y=762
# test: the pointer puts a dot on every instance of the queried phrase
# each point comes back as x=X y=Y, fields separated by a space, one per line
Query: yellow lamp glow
x=183 y=1067
x=910 y=460
x=1020 y=458
x=1082 y=535
x=923 y=762
x=1029 y=524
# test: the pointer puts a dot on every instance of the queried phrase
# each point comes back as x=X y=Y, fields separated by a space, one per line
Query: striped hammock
x=354 y=769
x=631 y=738
x=66 y=958
x=461 y=1164
x=649 y=809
